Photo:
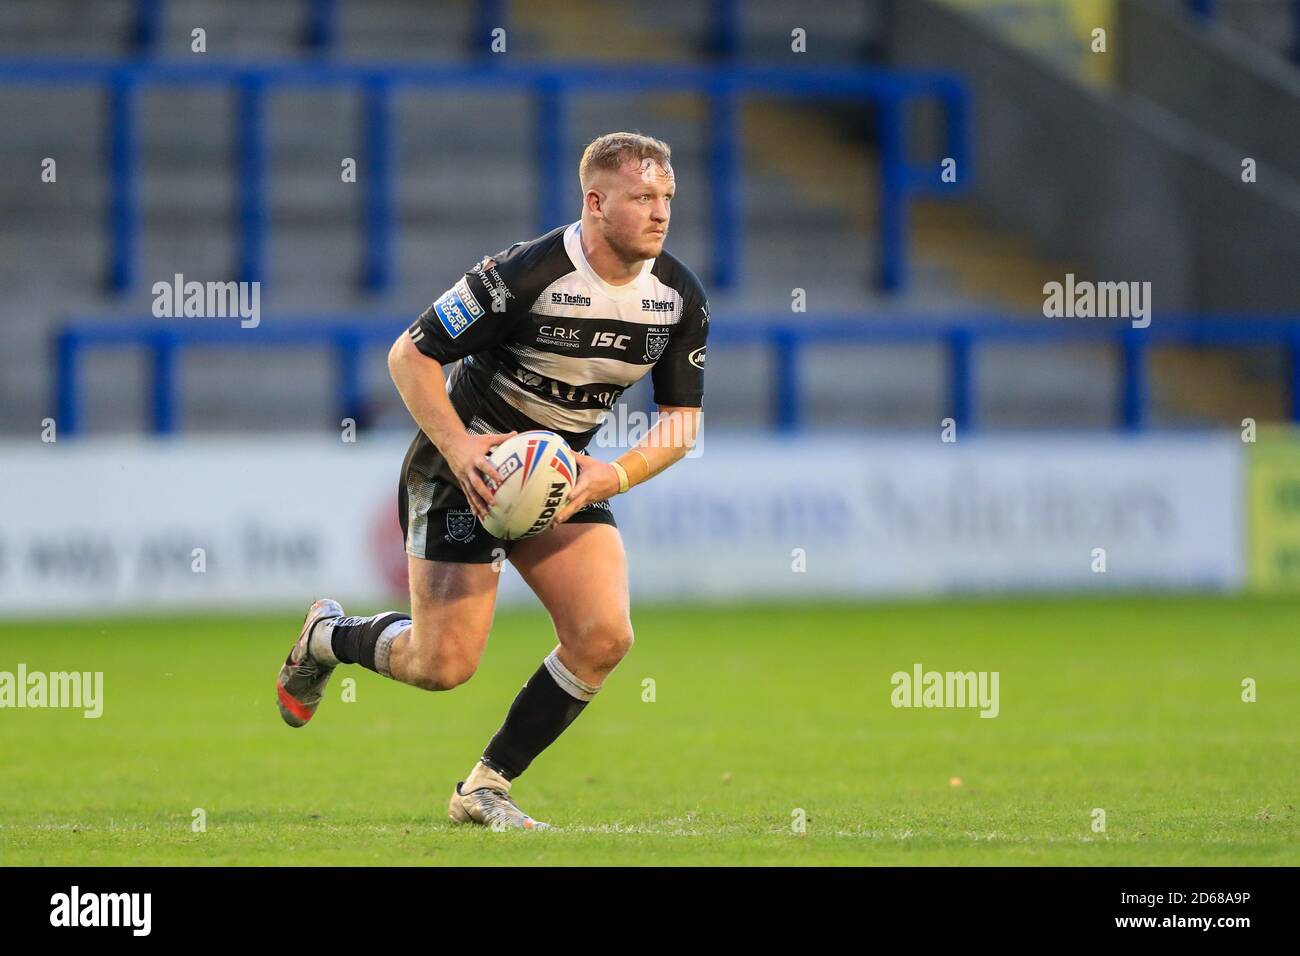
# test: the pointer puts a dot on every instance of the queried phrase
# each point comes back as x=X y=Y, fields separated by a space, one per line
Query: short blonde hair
x=612 y=150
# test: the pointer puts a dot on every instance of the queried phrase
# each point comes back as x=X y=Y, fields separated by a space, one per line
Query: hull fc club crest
x=655 y=343
x=460 y=525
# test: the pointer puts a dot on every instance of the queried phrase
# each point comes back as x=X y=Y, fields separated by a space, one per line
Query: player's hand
x=469 y=463
x=597 y=480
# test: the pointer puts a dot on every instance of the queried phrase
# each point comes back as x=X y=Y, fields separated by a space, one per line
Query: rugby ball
x=538 y=470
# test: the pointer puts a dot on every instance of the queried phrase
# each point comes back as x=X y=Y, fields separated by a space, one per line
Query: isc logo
x=610 y=340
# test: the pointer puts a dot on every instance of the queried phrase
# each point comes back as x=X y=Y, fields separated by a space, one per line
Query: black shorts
x=438 y=524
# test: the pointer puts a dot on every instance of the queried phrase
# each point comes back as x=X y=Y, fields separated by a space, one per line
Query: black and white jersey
x=539 y=340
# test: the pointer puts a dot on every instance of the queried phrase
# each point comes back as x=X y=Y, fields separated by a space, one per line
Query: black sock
x=540 y=713
x=354 y=638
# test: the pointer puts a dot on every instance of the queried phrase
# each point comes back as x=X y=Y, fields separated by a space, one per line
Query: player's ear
x=595 y=203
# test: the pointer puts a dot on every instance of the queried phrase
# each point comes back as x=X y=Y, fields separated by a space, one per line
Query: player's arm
x=466 y=319
x=419 y=380
x=679 y=392
x=667 y=442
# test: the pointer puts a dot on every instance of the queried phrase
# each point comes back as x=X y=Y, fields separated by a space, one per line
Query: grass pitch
x=1133 y=706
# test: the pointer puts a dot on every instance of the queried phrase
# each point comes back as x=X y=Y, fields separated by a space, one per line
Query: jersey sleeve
x=678 y=376
x=476 y=313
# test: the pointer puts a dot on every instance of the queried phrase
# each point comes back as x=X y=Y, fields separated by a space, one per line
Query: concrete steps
x=465 y=188
x=65 y=27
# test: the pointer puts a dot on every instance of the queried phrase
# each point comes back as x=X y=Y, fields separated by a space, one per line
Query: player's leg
x=452 y=605
x=438 y=644
x=579 y=571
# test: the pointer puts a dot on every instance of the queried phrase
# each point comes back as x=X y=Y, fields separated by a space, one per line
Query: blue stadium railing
x=961 y=336
x=552 y=88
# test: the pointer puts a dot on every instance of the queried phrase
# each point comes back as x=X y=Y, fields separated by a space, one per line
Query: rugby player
x=546 y=334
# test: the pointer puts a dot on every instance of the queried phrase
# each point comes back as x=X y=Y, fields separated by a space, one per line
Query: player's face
x=637 y=209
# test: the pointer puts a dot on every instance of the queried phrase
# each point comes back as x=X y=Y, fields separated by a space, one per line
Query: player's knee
x=445 y=666
x=437 y=673
x=607 y=643
x=625 y=639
